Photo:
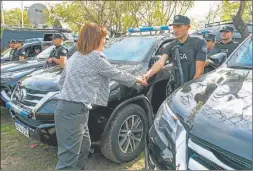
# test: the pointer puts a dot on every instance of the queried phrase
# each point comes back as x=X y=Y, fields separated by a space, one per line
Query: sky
x=198 y=11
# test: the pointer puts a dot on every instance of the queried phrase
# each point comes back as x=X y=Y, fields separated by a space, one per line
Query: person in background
x=46 y=45
x=37 y=51
x=13 y=49
x=192 y=53
x=19 y=54
x=58 y=56
x=210 y=41
x=85 y=81
x=226 y=45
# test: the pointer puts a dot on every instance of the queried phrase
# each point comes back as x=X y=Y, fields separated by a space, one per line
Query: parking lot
x=17 y=155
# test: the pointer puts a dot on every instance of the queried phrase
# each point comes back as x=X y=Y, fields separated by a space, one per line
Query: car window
x=130 y=49
x=242 y=57
x=68 y=45
x=31 y=50
x=45 y=53
x=6 y=53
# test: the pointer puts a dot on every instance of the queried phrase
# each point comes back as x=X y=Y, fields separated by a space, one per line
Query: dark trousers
x=71 y=123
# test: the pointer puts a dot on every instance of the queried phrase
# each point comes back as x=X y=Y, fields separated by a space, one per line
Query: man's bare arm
x=199 y=68
x=156 y=67
x=60 y=61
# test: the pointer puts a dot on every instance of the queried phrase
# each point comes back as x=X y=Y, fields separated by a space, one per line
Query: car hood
x=218 y=109
x=47 y=79
x=20 y=65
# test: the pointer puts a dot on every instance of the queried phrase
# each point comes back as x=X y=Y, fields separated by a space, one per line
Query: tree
x=13 y=17
x=230 y=9
x=118 y=15
x=239 y=23
x=239 y=12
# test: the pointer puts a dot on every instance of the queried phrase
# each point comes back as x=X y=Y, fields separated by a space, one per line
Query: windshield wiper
x=240 y=67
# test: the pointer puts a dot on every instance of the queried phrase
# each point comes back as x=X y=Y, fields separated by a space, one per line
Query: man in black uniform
x=190 y=62
x=58 y=56
x=19 y=53
x=12 y=46
x=226 y=45
x=210 y=41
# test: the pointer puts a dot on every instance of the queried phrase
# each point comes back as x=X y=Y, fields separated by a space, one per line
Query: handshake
x=143 y=80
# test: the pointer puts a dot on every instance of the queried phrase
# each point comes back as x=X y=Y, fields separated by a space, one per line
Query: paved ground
x=17 y=155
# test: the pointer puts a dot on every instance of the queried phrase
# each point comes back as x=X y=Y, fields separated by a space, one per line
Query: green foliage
x=230 y=8
x=118 y=15
x=13 y=17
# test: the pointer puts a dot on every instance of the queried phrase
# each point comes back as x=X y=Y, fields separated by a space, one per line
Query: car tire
x=114 y=145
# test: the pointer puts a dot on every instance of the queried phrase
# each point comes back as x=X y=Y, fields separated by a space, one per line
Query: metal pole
x=2 y=13
x=22 y=13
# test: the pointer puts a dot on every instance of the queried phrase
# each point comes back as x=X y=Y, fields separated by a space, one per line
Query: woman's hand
x=141 y=81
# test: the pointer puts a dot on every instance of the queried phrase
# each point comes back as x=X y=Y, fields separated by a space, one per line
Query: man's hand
x=21 y=58
x=141 y=81
x=50 y=60
x=146 y=76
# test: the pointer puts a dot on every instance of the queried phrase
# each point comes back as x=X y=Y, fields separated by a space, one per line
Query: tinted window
x=45 y=53
x=131 y=49
x=242 y=56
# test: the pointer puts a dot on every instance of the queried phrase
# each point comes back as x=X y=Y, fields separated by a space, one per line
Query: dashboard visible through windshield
x=128 y=49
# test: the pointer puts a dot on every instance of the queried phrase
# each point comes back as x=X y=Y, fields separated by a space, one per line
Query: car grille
x=27 y=98
x=212 y=159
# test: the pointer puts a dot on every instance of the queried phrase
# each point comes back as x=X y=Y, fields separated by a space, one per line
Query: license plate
x=22 y=129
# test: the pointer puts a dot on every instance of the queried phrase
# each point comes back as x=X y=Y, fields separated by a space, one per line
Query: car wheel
x=125 y=137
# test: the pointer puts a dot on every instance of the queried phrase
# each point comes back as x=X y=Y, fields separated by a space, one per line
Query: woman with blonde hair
x=85 y=80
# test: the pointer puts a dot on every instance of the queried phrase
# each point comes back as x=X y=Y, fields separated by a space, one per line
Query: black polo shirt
x=18 y=53
x=12 y=52
x=226 y=48
x=58 y=51
x=192 y=50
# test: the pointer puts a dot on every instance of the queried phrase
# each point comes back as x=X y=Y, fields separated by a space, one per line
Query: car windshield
x=45 y=53
x=242 y=58
x=6 y=53
x=130 y=49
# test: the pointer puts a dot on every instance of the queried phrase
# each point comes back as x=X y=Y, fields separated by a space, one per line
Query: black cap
x=37 y=48
x=57 y=36
x=227 y=29
x=19 y=41
x=181 y=20
x=209 y=37
x=12 y=41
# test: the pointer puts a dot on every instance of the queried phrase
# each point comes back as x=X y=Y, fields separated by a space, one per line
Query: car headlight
x=166 y=124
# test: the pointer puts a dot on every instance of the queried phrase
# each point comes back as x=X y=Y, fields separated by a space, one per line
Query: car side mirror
x=217 y=59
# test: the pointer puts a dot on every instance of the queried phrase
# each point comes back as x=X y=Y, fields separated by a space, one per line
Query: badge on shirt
x=64 y=51
x=204 y=49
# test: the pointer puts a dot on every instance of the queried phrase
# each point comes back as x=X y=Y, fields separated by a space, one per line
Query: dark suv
x=207 y=122
x=33 y=102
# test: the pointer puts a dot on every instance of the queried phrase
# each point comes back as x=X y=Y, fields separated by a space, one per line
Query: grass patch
x=17 y=155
